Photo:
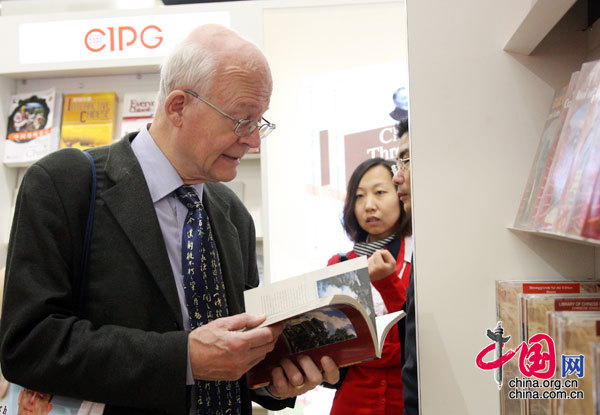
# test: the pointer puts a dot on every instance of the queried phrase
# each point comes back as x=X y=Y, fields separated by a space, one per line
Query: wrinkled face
x=402 y=178
x=207 y=148
x=34 y=403
x=377 y=208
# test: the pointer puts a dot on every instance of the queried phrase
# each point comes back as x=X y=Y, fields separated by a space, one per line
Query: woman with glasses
x=375 y=221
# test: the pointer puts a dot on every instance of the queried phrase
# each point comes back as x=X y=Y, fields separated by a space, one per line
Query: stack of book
x=562 y=194
x=527 y=308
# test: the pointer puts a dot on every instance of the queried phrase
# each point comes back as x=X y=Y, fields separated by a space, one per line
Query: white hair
x=188 y=65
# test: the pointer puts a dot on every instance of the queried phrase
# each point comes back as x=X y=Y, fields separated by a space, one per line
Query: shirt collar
x=160 y=175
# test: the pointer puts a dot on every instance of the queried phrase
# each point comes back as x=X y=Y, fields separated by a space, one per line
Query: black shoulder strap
x=82 y=281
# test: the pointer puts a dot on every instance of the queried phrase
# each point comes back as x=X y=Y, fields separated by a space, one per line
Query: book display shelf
x=482 y=79
x=67 y=74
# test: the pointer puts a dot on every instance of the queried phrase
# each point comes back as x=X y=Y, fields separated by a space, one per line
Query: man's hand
x=381 y=264
x=219 y=351
x=289 y=381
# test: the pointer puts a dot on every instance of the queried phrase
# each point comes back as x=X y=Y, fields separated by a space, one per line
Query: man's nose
x=251 y=140
x=398 y=179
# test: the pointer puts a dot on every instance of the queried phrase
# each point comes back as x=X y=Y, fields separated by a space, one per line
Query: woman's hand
x=381 y=264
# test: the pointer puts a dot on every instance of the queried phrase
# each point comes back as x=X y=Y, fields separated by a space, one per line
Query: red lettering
x=159 y=38
x=87 y=39
x=130 y=29
x=95 y=42
x=112 y=38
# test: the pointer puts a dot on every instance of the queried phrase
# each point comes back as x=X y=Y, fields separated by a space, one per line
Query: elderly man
x=172 y=250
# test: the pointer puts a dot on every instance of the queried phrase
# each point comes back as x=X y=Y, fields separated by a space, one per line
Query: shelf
x=538 y=22
x=568 y=238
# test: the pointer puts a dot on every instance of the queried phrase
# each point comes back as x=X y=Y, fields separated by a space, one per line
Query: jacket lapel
x=130 y=202
x=228 y=244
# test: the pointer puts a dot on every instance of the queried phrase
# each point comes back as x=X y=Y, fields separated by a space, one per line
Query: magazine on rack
x=328 y=312
x=32 y=129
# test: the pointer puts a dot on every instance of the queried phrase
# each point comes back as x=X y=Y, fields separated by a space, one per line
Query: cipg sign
x=126 y=37
x=118 y=38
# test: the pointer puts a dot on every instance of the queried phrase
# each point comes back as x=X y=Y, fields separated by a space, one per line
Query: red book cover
x=544 y=170
x=545 y=153
x=585 y=172
x=591 y=226
x=568 y=145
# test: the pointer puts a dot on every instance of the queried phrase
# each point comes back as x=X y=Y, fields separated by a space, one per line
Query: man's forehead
x=404 y=144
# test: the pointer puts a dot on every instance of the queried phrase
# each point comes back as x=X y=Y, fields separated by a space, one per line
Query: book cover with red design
x=568 y=145
x=582 y=180
x=543 y=157
x=591 y=225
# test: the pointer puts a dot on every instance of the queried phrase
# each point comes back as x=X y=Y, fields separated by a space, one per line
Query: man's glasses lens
x=247 y=127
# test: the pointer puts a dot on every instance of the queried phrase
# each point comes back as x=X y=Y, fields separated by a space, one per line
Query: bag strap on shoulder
x=79 y=292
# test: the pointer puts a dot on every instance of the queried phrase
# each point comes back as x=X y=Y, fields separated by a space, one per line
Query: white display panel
x=108 y=38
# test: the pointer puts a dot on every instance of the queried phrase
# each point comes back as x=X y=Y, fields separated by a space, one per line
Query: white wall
x=476 y=118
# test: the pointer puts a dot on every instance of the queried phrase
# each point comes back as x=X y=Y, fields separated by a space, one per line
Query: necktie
x=205 y=297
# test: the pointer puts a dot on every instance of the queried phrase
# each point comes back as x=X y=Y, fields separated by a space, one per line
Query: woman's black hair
x=349 y=221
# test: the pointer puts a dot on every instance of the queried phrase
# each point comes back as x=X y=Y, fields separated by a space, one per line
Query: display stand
x=476 y=114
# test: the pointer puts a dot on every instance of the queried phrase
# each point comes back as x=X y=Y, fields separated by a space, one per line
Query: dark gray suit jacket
x=128 y=348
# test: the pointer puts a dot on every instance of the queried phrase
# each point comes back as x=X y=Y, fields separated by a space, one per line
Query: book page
x=383 y=324
x=349 y=278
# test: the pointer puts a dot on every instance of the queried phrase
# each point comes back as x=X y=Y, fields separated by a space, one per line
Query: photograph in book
x=321 y=317
x=317 y=328
x=507 y=308
x=88 y=120
x=350 y=283
x=544 y=155
x=586 y=92
x=32 y=128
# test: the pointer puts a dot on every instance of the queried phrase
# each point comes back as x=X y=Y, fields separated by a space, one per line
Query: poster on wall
x=349 y=122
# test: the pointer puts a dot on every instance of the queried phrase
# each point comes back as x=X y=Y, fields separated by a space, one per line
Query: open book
x=328 y=312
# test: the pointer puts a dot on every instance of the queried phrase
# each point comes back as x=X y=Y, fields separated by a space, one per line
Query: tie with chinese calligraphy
x=205 y=296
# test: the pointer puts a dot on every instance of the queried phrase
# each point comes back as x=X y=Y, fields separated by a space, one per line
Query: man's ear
x=174 y=105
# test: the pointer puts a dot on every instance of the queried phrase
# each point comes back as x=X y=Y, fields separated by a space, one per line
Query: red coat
x=375 y=387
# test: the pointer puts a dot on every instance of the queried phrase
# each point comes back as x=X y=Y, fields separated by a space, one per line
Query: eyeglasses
x=243 y=128
x=401 y=165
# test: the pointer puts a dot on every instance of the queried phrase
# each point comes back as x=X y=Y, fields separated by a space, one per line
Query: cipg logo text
x=121 y=37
